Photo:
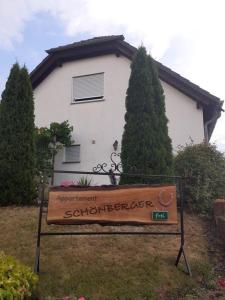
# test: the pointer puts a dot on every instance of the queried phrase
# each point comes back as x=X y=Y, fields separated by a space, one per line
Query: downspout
x=216 y=115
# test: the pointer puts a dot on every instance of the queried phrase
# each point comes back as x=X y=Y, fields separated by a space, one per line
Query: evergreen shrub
x=146 y=146
x=203 y=167
x=17 y=150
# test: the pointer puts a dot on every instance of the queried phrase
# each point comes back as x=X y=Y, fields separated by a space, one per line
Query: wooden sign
x=113 y=205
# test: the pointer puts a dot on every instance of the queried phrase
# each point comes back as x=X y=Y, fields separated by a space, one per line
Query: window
x=88 y=87
x=72 y=154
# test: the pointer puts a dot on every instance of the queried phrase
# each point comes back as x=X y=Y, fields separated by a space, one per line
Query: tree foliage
x=17 y=280
x=17 y=158
x=48 y=142
x=146 y=146
x=203 y=166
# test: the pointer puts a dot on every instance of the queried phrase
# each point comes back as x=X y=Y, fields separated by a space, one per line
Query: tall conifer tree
x=146 y=146
x=164 y=162
x=17 y=160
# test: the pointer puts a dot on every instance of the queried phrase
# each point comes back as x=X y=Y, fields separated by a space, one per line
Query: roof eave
x=117 y=45
x=86 y=43
x=57 y=58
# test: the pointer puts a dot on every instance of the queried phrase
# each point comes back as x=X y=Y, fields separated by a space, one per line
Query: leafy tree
x=203 y=167
x=17 y=158
x=48 y=142
x=146 y=146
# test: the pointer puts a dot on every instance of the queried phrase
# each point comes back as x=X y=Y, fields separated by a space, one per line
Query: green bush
x=16 y=280
x=204 y=168
x=48 y=142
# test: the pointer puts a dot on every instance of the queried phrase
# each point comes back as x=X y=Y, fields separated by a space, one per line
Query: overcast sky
x=185 y=35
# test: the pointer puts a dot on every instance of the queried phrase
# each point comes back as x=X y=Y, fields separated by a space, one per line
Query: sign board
x=113 y=205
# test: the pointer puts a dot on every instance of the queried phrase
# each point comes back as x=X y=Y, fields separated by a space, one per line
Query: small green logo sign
x=160 y=215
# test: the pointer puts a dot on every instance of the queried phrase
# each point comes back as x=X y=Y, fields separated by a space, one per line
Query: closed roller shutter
x=89 y=87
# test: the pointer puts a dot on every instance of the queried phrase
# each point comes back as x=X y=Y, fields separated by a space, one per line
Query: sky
x=186 y=35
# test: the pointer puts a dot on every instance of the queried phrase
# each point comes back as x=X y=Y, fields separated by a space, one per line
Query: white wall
x=98 y=124
x=185 y=120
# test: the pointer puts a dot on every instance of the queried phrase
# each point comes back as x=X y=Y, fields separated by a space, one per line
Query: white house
x=86 y=82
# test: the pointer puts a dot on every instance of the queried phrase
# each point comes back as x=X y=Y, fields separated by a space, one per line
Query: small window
x=72 y=154
x=88 y=87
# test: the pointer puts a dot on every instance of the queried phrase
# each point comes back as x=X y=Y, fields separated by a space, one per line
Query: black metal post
x=99 y=233
x=53 y=174
x=112 y=177
x=38 y=249
x=181 y=211
x=181 y=250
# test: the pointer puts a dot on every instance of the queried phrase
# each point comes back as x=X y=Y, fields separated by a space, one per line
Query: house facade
x=86 y=82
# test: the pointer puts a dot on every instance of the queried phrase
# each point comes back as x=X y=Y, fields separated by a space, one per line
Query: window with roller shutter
x=72 y=154
x=88 y=87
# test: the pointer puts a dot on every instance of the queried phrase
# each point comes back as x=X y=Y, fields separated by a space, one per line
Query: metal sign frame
x=100 y=170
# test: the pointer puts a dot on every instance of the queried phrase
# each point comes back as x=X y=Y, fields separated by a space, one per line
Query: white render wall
x=185 y=120
x=98 y=124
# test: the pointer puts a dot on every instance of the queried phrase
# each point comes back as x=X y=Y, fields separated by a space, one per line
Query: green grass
x=109 y=268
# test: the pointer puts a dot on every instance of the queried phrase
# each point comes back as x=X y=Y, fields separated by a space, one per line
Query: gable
x=116 y=45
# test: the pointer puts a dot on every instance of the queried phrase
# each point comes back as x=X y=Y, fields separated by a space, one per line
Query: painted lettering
x=149 y=204
x=134 y=205
x=93 y=210
x=141 y=204
x=68 y=214
x=85 y=211
x=76 y=213
x=117 y=206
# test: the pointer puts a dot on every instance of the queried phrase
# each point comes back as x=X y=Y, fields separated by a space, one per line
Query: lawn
x=114 y=267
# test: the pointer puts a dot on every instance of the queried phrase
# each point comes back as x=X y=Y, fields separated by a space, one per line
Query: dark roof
x=115 y=44
x=109 y=44
x=184 y=85
x=95 y=40
x=88 y=48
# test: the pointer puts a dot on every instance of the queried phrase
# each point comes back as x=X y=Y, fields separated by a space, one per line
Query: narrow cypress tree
x=164 y=157
x=17 y=139
x=146 y=147
x=138 y=135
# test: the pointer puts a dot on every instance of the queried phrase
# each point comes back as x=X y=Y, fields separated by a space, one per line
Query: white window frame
x=87 y=99
x=64 y=155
